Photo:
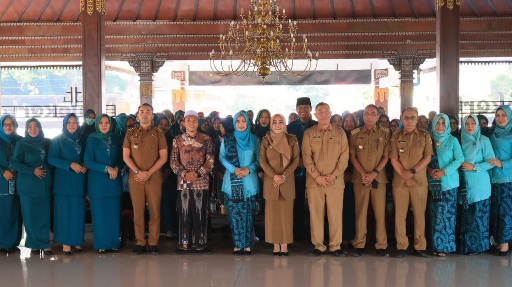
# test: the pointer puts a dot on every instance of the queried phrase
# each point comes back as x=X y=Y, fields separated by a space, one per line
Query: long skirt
x=474 y=231
x=443 y=215
x=10 y=221
x=279 y=221
x=501 y=212
x=106 y=217
x=69 y=219
x=349 y=212
x=36 y=218
x=240 y=216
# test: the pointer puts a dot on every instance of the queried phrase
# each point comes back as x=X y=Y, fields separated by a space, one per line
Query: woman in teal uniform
x=34 y=185
x=67 y=156
x=103 y=158
x=10 y=212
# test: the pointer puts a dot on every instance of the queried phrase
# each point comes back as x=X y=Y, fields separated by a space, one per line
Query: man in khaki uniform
x=325 y=156
x=145 y=152
x=369 y=147
x=411 y=150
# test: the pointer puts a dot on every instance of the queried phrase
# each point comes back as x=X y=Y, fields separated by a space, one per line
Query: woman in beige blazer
x=279 y=156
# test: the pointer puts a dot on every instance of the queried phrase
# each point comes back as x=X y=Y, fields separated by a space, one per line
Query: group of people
x=458 y=183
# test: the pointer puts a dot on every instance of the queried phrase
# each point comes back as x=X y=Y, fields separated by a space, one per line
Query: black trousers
x=300 y=227
x=192 y=208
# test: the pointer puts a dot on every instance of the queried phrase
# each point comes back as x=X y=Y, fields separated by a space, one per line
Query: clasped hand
x=40 y=172
x=241 y=172
x=77 y=168
x=112 y=172
x=142 y=176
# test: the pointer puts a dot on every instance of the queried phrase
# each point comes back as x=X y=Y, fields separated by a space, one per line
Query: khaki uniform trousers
x=318 y=199
x=378 y=198
x=149 y=192
x=417 y=197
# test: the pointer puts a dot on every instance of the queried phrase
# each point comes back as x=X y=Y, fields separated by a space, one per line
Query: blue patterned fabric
x=501 y=212
x=475 y=227
x=240 y=216
x=443 y=215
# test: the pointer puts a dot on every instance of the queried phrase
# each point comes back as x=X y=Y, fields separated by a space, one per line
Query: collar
x=374 y=129
x=415 y=131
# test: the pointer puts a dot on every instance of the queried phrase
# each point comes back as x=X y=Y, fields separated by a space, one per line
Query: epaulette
x=384 y=129
x=355 y=131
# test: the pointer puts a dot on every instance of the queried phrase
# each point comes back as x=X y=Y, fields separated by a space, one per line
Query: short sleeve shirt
x=369 y=147
x=145 y=146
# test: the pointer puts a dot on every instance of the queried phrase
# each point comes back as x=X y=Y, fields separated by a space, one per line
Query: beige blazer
x=272 y=163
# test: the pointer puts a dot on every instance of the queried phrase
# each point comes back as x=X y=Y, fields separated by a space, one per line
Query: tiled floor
x=261 y=269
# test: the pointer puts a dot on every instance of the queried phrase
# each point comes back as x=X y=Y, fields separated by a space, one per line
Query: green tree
x=501 y=86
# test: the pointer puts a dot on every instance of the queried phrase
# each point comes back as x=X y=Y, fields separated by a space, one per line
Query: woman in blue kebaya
x=239 y=153
x=34 y=185
x=10 y=210
x=501 y=208
x=475 y=188
x=67 y=156
x=103 y=158
x=443 y=185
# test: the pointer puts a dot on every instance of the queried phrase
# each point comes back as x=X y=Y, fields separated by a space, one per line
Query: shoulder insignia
x=355 y=131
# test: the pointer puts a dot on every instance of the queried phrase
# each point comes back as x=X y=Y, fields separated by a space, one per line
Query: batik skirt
x=474 y=232
x=443 y=216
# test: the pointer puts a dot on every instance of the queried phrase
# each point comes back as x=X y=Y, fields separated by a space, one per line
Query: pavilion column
x=145 y=64
x=406 y=62
x=447 y=55
x=93 y=60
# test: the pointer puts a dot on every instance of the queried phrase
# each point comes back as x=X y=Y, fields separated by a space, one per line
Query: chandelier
x=263 y=40
x=449 y=4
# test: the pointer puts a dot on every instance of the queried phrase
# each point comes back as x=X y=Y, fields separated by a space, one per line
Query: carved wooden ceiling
x=50 y=30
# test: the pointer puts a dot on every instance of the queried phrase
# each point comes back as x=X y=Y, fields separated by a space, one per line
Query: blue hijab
x=470 y=143
x=441 y=138
x=37 y=140
x=506 y=131
x=98 y=134
x=399 y=122
x=244 y=141
x=76 y=135
x=13 y=137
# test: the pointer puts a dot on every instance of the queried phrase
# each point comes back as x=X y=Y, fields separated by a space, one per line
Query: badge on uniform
x=438 y=144
x=135 y=146
x=402 y=150
x=401 y=141
x=360 y=147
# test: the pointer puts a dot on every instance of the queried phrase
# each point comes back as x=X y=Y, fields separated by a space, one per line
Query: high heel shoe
x=278 y=253
x=68 y=253
x=284 y=253
x=47 y=252
x=503 y=253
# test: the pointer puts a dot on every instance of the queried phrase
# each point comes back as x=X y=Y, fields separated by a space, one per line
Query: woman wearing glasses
x=10 y=212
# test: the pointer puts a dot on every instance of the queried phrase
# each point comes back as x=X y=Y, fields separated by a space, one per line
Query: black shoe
x=247 y=252
x=472 y=253
x=47 y=252
x=401 y=253
x=316 y=252
x=102 y=251
x=358 y=252
x=36 y=251
x=14 y=250
x=180 y=251
x=503 y=253
x=339 y=253
x=68 y=253
x=77 y=250
x=422 y=253
x=238 y=252
x=382 y=253
x=276 y=253
x=139 y=249
x=154 y=249
x=284 y=253
x=3 y=251
x=113 y=250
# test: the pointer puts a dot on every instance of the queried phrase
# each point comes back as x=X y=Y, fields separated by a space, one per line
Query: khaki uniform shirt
x=369 y=147
x=145 y=146
x=323 y=153
x=410 y=148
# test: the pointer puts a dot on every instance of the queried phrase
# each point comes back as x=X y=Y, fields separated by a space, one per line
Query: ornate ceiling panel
x=50 y=30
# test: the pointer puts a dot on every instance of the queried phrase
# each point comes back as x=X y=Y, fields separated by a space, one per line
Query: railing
x=486 y=108
x=50 y=111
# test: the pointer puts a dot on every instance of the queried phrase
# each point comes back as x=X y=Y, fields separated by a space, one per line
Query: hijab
x=343 y=122
x=227 y=124
x=401 y=126
x=244 y=139
x=37 y=140
x=279 y=141
x=13 y=137
x=383 y=116
x=336 y=116
x=98 y=134
x=259 y=130
x=86 y=116
x=122 y=118
x=441 y=138
x=470 y=143
x=506 y=131
x=77 y=134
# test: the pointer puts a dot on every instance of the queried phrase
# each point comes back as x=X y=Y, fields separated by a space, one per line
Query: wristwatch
x=136 y=171
x=376 y=171
x=413 y=171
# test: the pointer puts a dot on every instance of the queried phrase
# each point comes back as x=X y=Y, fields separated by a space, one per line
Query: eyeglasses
x=409 y=118
x=8 y=125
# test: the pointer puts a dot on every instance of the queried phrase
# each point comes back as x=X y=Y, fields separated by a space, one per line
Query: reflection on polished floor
x=261 y=269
